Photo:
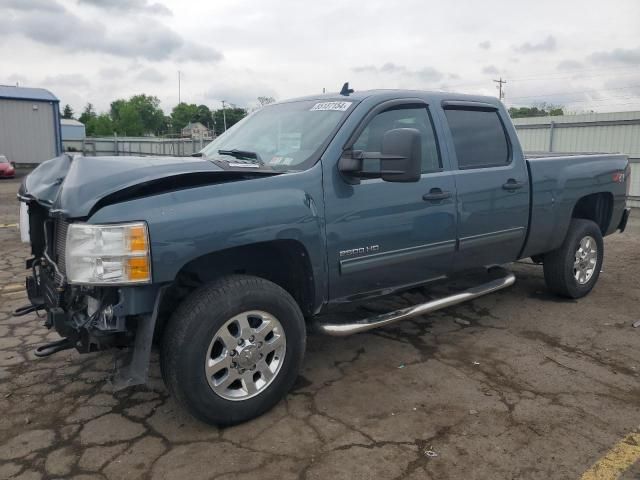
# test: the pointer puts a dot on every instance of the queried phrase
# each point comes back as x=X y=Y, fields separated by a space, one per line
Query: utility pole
x=179 y=100
x=224 y=116
x=501 y=92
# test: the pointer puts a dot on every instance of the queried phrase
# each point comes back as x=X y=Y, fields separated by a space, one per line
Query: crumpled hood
x=72 y=186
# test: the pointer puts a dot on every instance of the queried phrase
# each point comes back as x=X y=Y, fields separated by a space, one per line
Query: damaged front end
x=90 y=318
x=93 y=282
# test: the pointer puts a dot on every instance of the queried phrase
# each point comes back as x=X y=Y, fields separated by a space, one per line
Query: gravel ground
x=518 y=384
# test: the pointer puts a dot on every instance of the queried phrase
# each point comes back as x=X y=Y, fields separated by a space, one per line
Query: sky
x=584 y=55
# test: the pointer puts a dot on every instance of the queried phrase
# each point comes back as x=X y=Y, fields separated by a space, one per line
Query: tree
x=87 y=114
x=100 y=125
x=139 y=115
x=129 y=121
x=182 y=114
x=149 y=111
x=67 y=112
x=232 y=115
x=537 y=110
x=204 y=116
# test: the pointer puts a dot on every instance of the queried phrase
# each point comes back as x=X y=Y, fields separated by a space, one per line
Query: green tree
x=182 y=114
x=232 y=115
x=87 y=114
x=128 y=121
x=67 y=112
x=538 y=110
x=149 y=111
x=100 y=125
x=139 y=115
x=204 y=116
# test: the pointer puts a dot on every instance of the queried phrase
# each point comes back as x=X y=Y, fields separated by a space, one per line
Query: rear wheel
x=573 y=269
x=233 y=349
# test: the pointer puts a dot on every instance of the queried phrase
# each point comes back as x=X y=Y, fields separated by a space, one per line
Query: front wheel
x=573 y=269
x=233 y=349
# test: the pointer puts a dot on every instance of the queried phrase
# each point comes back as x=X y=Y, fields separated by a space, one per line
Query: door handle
x=436 y=194
x=512 y=184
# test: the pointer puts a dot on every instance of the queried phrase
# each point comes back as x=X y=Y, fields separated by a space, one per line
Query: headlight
x=108 y=254
x=24 y=223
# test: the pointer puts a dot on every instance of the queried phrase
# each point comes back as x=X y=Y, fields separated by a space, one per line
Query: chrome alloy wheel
x=245 y=355
x=586 y=259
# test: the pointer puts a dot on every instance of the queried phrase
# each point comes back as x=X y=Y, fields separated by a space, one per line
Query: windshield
x=3 y=159
x=283 y=136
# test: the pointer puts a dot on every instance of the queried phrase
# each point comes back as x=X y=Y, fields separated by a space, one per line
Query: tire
x=197 y=335
x=559 y=273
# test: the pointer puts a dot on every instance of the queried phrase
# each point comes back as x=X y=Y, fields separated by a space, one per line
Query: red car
x=7 y=170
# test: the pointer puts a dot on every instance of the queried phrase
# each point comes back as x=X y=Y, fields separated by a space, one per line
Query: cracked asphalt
x=515 y=385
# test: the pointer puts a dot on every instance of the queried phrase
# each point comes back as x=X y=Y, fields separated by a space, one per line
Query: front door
x=385 y=235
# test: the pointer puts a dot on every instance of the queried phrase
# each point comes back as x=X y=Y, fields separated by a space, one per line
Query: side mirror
x=405 y=144
x=399 y=161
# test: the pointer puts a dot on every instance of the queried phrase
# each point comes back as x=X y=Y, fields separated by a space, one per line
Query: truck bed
x=558 y=182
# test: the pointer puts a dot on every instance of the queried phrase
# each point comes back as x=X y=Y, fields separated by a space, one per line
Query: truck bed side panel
x=558 y=183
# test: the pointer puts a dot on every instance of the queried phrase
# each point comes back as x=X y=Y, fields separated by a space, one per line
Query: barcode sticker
x=334 y=106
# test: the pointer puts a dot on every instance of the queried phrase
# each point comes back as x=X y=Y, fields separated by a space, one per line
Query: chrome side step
x=505 y=280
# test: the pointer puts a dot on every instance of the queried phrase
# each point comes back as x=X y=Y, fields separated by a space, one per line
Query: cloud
x=427 y=74
x=15 y=78
x=241 y=95
x=549 y=44
x=151 y=75
x=67 y=80
x=490 y=70
x=365 y=69
x=569 y=65
x=617 y=56
x=486 y=45
x=129 y=6
x=66 y=30
x=29 y=5
x=110 y=72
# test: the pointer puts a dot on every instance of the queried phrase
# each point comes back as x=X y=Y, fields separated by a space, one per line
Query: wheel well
x=597 y=207
x=283 y=262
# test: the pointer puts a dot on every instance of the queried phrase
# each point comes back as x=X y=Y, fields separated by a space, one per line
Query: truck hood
x=77 y=186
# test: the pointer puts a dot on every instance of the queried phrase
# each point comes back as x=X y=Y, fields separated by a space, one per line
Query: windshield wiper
x=242 y=154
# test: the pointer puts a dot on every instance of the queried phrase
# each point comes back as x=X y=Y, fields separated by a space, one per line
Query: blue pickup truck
x=225 y=259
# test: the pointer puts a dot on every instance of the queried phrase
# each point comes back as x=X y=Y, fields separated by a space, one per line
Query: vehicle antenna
x=346 y=90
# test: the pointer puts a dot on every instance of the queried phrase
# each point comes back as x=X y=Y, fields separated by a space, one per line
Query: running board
x=505 y=280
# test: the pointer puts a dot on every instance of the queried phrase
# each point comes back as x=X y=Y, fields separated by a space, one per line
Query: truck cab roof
x=391 y=94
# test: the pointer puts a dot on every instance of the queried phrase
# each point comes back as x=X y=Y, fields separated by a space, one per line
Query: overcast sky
x=581 y=54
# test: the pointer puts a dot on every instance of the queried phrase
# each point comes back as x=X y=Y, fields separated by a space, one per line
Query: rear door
x=492 y=185
x=384 y=235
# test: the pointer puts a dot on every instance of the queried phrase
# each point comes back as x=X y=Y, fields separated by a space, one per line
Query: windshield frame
x=317 y=154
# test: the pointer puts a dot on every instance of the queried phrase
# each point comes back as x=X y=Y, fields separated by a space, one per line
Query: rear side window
x=479 y=138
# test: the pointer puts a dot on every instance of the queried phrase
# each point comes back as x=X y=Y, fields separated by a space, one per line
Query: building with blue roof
x=30 y=131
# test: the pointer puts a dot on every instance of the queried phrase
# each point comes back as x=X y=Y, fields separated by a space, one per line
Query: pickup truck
x=227 y=258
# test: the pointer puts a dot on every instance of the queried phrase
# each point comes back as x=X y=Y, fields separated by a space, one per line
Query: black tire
x=558 y=264
x=191 y=329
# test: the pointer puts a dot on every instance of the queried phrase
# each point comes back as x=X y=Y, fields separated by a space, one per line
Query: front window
x=284 y=136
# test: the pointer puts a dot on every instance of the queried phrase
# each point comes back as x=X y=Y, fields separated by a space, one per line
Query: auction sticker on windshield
x=335 y=106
